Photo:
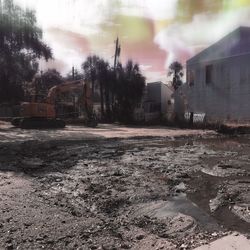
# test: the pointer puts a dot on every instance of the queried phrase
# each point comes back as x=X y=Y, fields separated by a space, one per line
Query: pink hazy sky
x=152 y=32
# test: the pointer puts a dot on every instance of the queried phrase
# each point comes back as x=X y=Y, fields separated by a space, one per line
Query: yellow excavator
x=37 y=114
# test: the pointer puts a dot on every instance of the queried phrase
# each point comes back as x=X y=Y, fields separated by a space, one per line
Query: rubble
x=122 y=193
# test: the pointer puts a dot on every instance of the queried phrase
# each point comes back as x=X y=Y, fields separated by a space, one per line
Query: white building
x=218 y=79
x=156 y=103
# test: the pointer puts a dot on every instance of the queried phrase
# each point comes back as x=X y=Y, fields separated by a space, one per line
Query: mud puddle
x=205 y=189
x=178 y=205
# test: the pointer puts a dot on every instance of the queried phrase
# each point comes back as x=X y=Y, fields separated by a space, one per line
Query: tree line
x=118 y=90
x=21 y=47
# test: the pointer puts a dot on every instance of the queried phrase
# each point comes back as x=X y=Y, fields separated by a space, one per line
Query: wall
x=166 y=96
x=155 y=103
x=154 y=92
x=160 y=93
x=227 y=97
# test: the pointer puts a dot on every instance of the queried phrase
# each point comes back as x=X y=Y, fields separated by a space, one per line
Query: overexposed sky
x=152 y=32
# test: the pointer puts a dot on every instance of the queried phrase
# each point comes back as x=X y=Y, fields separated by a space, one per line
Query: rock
x=235 y=234
x=125 y=246
x=27 y=224
x=9 y=246
x=180 y=187
x=184 y=246
x=140 y=236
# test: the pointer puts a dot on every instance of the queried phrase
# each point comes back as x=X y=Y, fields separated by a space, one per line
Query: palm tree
x=129 y=90
x=90 y=70
x=96 y=70
x=176 y=70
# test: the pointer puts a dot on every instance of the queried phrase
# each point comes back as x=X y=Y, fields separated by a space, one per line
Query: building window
x=209 y=74
x=190 y=76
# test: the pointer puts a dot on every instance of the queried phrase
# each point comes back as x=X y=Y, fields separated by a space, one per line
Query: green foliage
x=96 y=70
x=128 y=90
x=20 y=47
x=90 y=69
x=176 y=70
x=46 y=80
x=120 y=89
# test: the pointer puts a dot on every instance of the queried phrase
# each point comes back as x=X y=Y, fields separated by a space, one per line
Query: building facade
x=218 y=79
x=156 y=103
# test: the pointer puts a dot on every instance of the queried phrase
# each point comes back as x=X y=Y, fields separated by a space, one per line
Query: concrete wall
x=160 y=93
x=227 y=97
x=154 y=92
x=166 y=96
x=155 y=103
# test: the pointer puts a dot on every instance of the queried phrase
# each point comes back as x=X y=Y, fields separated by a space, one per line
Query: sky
x=152 y=33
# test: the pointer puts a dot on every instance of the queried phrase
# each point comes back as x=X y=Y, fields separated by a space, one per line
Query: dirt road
x=121 y=188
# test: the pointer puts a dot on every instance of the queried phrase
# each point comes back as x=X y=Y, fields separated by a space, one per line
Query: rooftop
x=235 y=43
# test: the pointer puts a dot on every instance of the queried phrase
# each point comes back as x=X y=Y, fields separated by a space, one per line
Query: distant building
x=156 y=103
x=218 y=79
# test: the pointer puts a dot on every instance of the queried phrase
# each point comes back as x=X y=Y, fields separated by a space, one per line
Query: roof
x=235 y=43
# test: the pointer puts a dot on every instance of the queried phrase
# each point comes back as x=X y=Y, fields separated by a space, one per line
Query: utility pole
x=116 y=59
x=73 y=73
x=117 y=52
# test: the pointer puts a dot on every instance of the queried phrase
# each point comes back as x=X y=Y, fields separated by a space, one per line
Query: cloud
x=145 y=67
x=152 y=32
x=68 y=47
x=183 y=40
x=57 y=64
x=155 y=10
x=68 y=39
x=153 y=76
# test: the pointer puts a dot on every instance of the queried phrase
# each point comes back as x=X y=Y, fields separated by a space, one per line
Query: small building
x=218 y=79
x=156 y=103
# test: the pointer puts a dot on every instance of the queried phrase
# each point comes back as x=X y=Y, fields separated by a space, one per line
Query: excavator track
x=38 y=123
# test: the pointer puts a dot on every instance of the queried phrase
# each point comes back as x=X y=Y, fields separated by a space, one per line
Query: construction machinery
x=36 y=114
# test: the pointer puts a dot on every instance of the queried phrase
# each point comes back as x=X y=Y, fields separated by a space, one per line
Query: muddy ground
x=121 y=188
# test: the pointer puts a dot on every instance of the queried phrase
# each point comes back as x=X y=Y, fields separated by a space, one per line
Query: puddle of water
x=176 y=205
x=206 y=190
x=181 y=204
x=223 y=171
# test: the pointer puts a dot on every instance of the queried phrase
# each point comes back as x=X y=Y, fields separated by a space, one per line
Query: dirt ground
x=115 y=187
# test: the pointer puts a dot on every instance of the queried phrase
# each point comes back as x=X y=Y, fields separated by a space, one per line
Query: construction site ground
x=117 y=187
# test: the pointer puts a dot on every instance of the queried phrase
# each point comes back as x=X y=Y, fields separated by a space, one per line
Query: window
x=190 y=77
x=209 y=74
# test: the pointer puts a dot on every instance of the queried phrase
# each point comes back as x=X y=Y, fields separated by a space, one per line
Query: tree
x=129 y=90
x=109 y=92
x=124 y=84
x=77 y=75
x=96 y=70
x=20 y=46
x=176 y=70
x=44 y=81
x=90 y=70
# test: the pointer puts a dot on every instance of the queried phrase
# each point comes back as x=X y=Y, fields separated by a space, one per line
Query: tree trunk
x=107 y=103
x=102 y=106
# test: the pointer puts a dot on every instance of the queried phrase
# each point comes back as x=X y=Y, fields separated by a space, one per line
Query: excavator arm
x=37 y=114
x=67 y=87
